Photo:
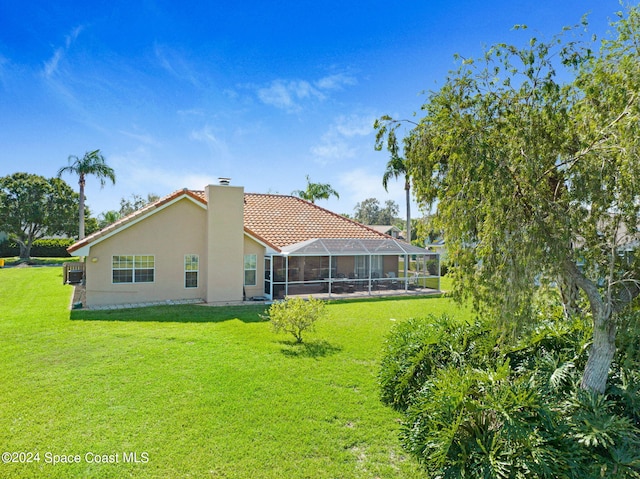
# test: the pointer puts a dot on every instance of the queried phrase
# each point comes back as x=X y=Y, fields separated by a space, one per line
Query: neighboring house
x=222 y=245
x=390 y=230
x=440 y=247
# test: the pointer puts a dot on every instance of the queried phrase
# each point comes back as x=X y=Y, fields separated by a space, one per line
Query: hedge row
x=42 y=248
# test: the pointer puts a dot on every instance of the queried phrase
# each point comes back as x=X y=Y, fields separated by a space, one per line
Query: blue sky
x=177 y=94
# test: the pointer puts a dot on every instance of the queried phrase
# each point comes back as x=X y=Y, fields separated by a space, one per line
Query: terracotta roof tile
x=285 y=220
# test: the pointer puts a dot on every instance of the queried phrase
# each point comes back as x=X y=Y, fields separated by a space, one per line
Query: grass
x=201 y=391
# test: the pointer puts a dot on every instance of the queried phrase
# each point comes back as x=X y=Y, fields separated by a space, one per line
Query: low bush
x=477 y=406
x=419 y=347
x=41 y=248
x=295 y=315
x=51 y=248
x=8 y=248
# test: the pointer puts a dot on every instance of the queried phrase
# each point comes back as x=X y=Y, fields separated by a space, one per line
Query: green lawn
x=194 y=391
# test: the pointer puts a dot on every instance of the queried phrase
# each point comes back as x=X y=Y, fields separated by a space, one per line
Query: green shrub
x=41 y=248
x=8 y=249
x=444 y=267
x=418 y=347
x=482 y=423
x=51 y=248
x=295 y=315
x=478 y=407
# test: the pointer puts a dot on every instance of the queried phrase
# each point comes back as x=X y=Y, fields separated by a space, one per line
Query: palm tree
x=397 y=167
x=316 y=191
x=107 y=218
x=92 y=163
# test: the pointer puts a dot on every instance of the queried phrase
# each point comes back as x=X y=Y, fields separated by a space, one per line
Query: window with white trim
x=133 y=269
x=250 y=269
x=191 y=270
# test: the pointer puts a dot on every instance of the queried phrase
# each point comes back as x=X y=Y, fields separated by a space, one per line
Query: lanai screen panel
x=351 y=247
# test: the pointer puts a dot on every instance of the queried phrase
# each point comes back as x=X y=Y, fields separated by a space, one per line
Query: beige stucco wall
x=253 y=247
x=169 y=235
x=390 y=265
x=345 y=265
x=225 y=240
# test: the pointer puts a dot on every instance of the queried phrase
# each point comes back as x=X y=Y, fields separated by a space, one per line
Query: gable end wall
x=168 y=235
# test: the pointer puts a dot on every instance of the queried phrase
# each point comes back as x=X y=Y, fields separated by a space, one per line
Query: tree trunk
x=25 y=250
x=596 y=372
x=407 y=188
x=25 y=242
x=603 y=347
x=81 y=229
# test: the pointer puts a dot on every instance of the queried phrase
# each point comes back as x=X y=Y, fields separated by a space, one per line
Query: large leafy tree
x=316 y=191
x=369 y=212
x=536 y=179
x=129 y=205
x=32 y=207
x=92 y=163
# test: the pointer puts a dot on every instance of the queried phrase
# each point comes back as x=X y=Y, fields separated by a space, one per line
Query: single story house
x=223 y=245
x=440 y=247
x=390 y=230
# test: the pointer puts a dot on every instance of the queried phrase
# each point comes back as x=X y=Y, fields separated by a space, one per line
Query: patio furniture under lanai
x=334 y=266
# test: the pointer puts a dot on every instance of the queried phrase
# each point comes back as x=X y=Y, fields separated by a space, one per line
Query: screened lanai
x=335 y=266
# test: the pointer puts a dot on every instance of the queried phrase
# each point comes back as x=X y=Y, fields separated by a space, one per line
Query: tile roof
x=384 y=228
x=276 y=220
x=285 y=220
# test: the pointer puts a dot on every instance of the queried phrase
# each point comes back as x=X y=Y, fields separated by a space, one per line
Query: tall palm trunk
x=407 y=188
x=81 y=182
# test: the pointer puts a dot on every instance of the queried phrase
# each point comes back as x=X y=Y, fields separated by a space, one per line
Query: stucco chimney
x=225 y=243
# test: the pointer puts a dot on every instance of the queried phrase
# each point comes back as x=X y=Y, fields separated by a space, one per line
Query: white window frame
x=188 y=257
x=254 y=269
x=133 y=268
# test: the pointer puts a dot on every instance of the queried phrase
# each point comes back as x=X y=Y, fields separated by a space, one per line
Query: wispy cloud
x=205 y=134
x=336 y=82
x=218 y=148
x=139 y=172
x=51 y=66
x=142 y=138
x=332 y=149
x=286 y=94
x=176 y=64
x=289 y=95
x=60 y=80
x=337 y=143
x=363 y=183
x=355 y=125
